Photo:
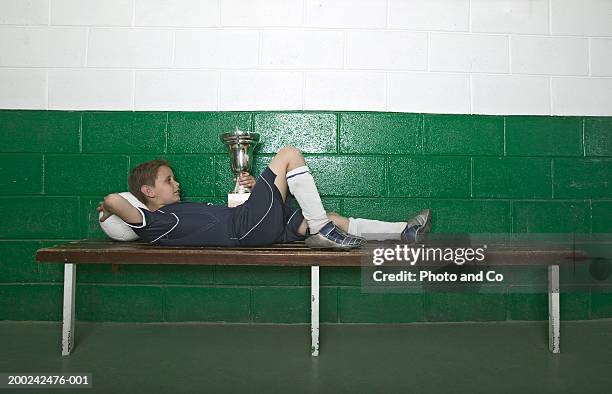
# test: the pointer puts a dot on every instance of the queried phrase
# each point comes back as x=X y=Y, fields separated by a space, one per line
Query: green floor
x=422 y=358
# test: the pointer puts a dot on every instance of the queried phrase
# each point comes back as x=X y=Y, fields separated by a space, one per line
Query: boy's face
x=166 y=190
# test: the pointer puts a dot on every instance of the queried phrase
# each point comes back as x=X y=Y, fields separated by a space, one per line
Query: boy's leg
x=287 y=159
x=293 y=175
x=340 y=221
x=412 y=231
x=376 y=230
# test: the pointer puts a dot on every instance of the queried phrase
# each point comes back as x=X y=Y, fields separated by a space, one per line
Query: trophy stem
x=240 y=188
x=239 y=195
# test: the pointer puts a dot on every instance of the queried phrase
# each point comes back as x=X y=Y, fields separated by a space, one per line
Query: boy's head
x=153 y=183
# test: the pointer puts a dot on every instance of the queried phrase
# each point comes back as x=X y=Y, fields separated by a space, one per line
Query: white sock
x=376 y=230
x=302 y=186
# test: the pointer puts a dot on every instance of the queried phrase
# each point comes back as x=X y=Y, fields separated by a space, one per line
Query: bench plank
x=289 y=254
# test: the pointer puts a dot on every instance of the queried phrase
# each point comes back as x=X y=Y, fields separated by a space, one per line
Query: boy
x=265 y=218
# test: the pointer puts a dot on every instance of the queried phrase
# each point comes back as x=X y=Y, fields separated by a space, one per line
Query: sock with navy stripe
x=302 y=186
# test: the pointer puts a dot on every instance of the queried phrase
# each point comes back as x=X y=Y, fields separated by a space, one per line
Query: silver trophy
x=240 y=146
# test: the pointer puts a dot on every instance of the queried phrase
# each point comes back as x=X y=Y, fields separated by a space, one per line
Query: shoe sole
x=319 y=242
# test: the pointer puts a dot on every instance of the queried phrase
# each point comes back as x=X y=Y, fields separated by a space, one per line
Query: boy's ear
x=147 y=191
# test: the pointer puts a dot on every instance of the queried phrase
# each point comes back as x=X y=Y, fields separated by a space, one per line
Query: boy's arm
x=115 y=204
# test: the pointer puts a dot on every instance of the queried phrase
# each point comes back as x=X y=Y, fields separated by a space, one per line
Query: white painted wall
x=437 y=56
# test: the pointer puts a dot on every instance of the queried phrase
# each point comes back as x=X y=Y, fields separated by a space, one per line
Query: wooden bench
x=292 y=254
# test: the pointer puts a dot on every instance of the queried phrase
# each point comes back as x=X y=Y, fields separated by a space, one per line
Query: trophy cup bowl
x=240 y=146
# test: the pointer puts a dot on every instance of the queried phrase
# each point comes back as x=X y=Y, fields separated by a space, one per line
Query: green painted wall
x=478 y=174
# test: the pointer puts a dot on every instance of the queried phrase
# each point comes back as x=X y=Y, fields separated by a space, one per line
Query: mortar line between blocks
x=388 y=6
x=43 y=175
x=589 y=56
x=510 y=54
x=504 y=128
x=471 y=177
x=422 y=134
x=166 y=133
x=550 y=17
x=469 y=16
x=550 y=96
x=81 y=132
x=552 y=178
x=583 y=137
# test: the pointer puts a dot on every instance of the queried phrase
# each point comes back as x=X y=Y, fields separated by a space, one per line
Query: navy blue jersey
x=187 y=224
x=262 y=220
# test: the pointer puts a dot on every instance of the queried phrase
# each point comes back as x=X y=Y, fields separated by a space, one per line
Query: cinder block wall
x=238 y=63
x=479 y=174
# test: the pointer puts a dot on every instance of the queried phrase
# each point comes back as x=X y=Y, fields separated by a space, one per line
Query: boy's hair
x=144 y=174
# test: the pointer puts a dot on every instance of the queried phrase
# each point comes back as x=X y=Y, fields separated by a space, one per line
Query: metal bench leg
x=554 y=319
x=69 y=307
x=314 y=309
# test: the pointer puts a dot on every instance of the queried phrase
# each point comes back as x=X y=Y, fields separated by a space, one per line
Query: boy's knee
x=290 y=151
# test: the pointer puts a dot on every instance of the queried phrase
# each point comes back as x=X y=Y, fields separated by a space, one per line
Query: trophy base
x=235 y=199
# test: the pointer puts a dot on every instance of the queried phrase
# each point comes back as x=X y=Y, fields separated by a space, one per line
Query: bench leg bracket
x=69 y=309
x=554 y=318
x=314 y=309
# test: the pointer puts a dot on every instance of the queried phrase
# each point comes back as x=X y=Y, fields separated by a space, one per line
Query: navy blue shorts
x=264 y=218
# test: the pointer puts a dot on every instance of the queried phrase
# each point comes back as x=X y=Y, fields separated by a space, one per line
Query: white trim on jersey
x=173 y=227
x=144 y=221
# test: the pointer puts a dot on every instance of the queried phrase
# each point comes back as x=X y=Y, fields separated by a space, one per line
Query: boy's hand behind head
x=106 y=214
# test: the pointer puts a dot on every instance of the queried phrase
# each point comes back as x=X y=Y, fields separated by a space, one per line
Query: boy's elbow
x=109 y=199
